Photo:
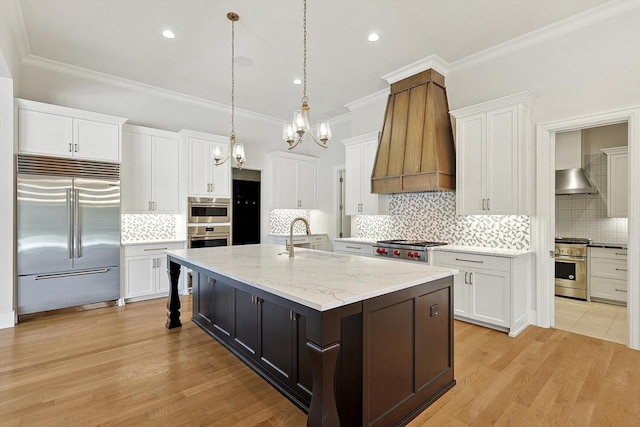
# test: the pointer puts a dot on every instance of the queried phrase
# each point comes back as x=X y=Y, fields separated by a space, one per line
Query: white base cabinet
x=66 y=132
x=607 y=275
x=150 y=173
x=314 y=241
x=145 y=270
x=353 y=248
x=490 y=290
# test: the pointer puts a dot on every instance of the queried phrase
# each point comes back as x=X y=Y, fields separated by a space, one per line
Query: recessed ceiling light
x=373 y=37
x=297 y=82
x=168 y=34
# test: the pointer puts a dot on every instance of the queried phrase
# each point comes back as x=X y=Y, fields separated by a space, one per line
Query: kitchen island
x=350 y=340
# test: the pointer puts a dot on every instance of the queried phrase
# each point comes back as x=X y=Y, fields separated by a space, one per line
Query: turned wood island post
x=327 y=330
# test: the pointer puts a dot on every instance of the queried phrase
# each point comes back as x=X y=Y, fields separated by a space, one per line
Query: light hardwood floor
x=120 y=366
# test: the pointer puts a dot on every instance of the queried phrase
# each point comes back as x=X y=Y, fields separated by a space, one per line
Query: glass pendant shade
x=288 y=134
x=324 y=131
x=301 y=120
x=238 y=153
x=217 y=154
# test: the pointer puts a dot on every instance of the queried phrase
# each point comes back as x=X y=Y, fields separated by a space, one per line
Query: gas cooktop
x=403 y=242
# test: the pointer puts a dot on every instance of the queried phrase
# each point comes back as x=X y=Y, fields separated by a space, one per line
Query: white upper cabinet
x=494 y=157
x=205 y=179
x=617 y=181
x=66 y=132
x=150 y=172
x=294 y=181
x=360 y=153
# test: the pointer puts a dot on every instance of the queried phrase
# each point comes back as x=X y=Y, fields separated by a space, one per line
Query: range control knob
x=378 y=250
x=396 y=252
x=410 y=254
x=416 y=255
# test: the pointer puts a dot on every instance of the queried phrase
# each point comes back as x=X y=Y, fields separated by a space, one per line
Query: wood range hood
x=416 y=151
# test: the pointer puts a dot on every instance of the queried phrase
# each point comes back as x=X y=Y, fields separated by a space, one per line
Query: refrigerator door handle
x=75 y=273
x=69 y=225
x=76 y=224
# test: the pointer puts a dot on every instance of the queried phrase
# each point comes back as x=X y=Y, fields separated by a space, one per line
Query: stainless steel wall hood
x=574 y=181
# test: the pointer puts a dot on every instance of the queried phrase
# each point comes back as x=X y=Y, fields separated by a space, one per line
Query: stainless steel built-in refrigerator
x=68 y=233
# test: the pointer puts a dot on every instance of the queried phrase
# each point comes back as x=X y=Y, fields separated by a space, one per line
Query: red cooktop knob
x=378 y=250
x=396 y=252
x=416 y=254
x=410 y=254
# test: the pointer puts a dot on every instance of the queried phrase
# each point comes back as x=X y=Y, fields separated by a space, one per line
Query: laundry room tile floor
x=603 y=321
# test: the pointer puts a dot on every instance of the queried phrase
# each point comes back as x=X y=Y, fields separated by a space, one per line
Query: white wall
x=9 y=74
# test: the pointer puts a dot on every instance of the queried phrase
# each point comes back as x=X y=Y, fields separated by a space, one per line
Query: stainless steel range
x=571 y=267
x=411 y=250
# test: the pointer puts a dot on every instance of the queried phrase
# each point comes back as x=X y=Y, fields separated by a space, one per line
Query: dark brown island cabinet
x=376 y=362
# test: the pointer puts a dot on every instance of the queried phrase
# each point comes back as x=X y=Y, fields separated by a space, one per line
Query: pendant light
x=237 y=149
x=293 y=133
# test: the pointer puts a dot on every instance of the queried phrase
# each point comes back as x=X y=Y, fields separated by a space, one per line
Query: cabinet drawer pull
x=469 y=260
x=466 y=278
x=621 y=269
x=75 y=147
x=70 y=147
x=488 y=204
x=621 y=290
x=155 y=249
x=353 y=247
x=153 y=265
x=621 y=254
x=470 y=278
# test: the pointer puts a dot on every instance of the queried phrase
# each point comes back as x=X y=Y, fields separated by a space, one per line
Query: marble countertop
x=511 y=253
x=316 y=279
x=608 y=245
x=151 y=242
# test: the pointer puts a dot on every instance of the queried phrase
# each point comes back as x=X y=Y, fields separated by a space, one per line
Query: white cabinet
x=294 y=181
x=145 y=270
x=205 y=178
x=608 y=275
x=150 y=172
x=353 y=247
x=494 y=155
x=490 y=290
x=360 y=154
x=617 y=181
x=65 y=132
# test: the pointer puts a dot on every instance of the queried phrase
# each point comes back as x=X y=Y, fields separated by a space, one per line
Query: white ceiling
x=123 y=38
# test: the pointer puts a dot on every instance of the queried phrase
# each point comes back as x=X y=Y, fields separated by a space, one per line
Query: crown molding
x=374 y=97
x=111 y=80
x=13 y=13
x=431 y=61
x=570 y=24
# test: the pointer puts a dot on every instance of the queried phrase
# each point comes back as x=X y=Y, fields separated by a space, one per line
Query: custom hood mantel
x=416 y=151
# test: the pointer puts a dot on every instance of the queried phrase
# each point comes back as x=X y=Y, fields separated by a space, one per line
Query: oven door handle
x=570 y=258
x=208 y=236
x=208 y=205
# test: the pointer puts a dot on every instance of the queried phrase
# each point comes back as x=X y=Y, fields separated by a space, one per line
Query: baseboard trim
x=7 y=319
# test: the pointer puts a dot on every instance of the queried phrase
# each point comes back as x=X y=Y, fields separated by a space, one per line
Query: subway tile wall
x=585 y=215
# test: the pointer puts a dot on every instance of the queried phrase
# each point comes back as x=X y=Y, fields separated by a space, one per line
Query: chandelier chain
x=304 y=62
x=233 y=79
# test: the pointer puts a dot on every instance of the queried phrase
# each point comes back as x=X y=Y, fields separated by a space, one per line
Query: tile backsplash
x=432 y=216
x=144 y=228
x=585 y=215
x=280 y=221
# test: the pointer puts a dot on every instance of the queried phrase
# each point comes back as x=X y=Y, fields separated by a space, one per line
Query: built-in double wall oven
x=209 y=222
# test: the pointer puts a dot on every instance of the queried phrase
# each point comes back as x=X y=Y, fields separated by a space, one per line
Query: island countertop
x=316 y=279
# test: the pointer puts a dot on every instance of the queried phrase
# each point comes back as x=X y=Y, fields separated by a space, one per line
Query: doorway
x=245 y=222
x=543 y=223
x=583 y=213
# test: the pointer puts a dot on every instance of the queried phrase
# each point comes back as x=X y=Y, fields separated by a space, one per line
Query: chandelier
x=293 y=133
x=237 y=149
